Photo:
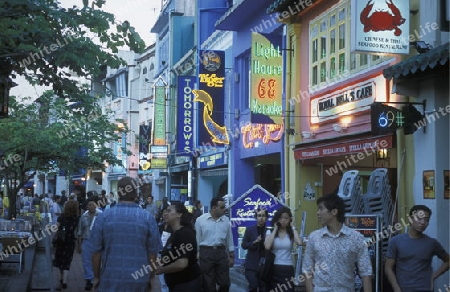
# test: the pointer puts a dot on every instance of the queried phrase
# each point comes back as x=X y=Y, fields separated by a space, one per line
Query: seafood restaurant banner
x=242 y=214
x=265 y=79
x=185 y=115
x=380 y=26
x=209 y=98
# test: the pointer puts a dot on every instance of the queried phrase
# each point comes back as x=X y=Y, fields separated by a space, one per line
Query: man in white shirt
x=215 y=243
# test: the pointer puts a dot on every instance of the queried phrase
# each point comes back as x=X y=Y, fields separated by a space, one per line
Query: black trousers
x=254 y=284
x=215 y=267
x=193 y=285
x=282 y=279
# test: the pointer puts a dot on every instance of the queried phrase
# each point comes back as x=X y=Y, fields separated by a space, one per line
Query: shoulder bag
x=265 y=266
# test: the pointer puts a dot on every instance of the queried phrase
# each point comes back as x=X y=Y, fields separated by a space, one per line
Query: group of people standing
x=124 y=247
x=334 y=251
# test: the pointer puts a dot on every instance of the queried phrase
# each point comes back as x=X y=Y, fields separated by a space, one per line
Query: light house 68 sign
x=380 y=26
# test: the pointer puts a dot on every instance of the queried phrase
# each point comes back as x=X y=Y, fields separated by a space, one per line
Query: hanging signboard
x=144 y=151
x=185 y=123
x=380 y=26
x=266 y=79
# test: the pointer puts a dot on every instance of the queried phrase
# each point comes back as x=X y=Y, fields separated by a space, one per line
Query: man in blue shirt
x=124 y=242
x=411 y=254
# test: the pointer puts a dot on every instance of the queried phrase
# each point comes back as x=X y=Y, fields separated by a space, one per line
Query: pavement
x=43 y=276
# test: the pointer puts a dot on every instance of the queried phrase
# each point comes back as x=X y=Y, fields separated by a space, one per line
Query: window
x=330 y=58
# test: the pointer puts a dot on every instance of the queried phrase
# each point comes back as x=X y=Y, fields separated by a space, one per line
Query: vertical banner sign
x=369 y=227
x=265 y=79
x=159 y=137
x=144 y=149
x=380 y=26
x=211 y=127
x=185 y=121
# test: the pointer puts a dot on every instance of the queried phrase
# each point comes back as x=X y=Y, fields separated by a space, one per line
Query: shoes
x=89 y=285
x=63 y=285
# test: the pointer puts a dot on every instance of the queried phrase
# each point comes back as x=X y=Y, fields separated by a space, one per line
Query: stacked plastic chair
x=350 y=190
x=378 y=200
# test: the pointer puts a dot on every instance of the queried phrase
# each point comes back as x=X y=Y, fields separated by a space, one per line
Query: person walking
x=215 y=246
x=85 y=225
x=198 y=211
x=150 y=206
x=165 y=230
x=67 y=224
x=410 y=255
x=181 y=272
x=253 y=242
x=280 y=241
x=124 y=242
x=333 y=251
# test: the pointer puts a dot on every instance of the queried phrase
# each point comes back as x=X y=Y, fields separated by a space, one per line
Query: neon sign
x=265 y=133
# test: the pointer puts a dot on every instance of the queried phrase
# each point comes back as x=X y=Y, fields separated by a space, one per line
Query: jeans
x=87 y=262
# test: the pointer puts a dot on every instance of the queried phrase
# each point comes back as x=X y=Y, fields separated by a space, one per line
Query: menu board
x=369 y=227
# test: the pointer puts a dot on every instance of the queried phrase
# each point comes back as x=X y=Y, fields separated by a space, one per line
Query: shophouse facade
x=174 y=38
x=255 y=108
x=331 y=90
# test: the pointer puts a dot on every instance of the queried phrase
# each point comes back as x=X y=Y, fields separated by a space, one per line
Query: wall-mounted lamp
x=339 y=128
x=382 y=154
x=308 y=135
x=421 y=46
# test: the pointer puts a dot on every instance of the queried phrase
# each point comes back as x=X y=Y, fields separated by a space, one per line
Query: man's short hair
x=127 y=189
x=333 y=201
x=215 y=201
x=416 y=208
x=261 y=209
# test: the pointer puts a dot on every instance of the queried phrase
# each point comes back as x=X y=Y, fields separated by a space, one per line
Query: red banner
x=364 y=145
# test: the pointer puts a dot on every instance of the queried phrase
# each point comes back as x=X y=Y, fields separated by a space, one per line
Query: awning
x=237 y=15
x=214 y=172
x=289 y=5
x=29 y=184
x=433 y=59
x=179 y=167
x=116 y=176
x=362 y=145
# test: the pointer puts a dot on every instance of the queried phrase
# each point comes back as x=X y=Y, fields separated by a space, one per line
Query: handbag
x=265 y=266
x=60 y=236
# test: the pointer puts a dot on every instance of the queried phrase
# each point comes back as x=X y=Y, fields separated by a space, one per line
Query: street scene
x=224 y=145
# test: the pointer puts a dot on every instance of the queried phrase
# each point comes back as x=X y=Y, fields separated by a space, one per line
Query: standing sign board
x=369 y=227
x=242 y=215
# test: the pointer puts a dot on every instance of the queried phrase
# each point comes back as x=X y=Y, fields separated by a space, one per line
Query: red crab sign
x=383 y=26
x=382 y=20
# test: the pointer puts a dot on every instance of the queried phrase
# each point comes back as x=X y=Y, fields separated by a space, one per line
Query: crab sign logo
x=381 y=20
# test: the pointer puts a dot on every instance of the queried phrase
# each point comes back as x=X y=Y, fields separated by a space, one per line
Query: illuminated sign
x=343 y=102
x=160 y=116
x=210 y=96
x=144 y=151
x=265 y=133
x=380 y=26
x=158 y=156
x=265 y=79
x=185 y=125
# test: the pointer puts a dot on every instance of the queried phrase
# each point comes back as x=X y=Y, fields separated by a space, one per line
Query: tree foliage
x=51 y=135
x=47 y=43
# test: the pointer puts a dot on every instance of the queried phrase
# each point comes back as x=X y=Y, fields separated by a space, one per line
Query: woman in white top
x=280 y=241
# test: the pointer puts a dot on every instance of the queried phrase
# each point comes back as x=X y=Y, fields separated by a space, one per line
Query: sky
x=141 y=14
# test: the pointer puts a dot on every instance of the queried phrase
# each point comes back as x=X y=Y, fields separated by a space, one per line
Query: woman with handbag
x=65 y=240
x=280 y=242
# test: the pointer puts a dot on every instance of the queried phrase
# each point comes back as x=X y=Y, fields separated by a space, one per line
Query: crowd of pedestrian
x=192 y=251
